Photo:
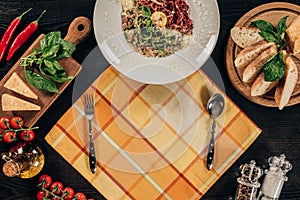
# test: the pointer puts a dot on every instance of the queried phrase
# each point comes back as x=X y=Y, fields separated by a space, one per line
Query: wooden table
x=280 y=128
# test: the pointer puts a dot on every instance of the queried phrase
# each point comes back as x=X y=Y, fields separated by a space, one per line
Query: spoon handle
x=211 y=148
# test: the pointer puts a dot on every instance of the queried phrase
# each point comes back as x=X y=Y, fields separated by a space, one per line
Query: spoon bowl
x=215 y=105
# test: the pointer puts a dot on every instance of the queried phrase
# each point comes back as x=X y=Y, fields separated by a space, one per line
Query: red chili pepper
x=23 y=36
x=9 y=33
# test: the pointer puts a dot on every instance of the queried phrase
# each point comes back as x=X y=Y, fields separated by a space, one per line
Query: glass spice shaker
x=274 y=178
x=248 y=182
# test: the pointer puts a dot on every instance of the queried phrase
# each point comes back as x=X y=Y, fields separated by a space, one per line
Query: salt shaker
x=275 y=177
x=248 y=182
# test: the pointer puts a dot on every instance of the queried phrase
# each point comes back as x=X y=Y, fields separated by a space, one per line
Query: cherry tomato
x=10 y=136
x=80 y=196
x=1 y=135
x=27 y=135
x=4 y=122
x=68 y=193
x=45 y=180
x=41 y=195
x=16 y=122
x=56 y=187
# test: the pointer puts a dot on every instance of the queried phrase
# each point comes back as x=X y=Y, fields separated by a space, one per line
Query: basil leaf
x=146 y=11
x=59 y=79
x=40 y=82
x=51 y=51
x=66 y=49
x=50 y=39
x=281 y=27
x=57 y=66
x=275 y=68
x=263 y=26
x=49 y=67
x=271 y=37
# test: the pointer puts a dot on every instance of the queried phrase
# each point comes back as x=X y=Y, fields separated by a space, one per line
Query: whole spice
x=23 y=36
x=9 y=33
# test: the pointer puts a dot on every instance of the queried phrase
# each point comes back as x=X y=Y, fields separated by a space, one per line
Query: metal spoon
x=215 y=107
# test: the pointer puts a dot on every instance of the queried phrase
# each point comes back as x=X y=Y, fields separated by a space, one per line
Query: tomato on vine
x=4 y=122
x=41 y=195
x=45 y=180
x=56 y=187
x=10 y=136
x=80 y=196
x=27 y=135
x=16 y=122
x=68 y=193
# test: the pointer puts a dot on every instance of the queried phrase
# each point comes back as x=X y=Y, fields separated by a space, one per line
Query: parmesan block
x=12 y=103
x=16 y=84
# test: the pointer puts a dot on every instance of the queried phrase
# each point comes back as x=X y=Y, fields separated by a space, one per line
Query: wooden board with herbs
x=78 y=30
x=270 y=12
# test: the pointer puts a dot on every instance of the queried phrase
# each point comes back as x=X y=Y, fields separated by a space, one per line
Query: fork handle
x=92 y=155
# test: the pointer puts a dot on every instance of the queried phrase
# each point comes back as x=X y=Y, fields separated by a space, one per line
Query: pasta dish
x=156 y=28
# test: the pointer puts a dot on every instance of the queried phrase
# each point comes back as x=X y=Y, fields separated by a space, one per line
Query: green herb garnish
x=275 y=68
x=45 y=60
x=268 y=32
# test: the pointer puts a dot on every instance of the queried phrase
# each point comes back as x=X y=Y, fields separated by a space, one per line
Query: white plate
x=152 y=70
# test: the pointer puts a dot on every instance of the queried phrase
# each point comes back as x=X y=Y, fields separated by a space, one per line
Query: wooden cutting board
x=271 y=12
x=78 y=30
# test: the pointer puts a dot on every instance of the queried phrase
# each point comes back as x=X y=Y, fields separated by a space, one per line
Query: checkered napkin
x=151 y=141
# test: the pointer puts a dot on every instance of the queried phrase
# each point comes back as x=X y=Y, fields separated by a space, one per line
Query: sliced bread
x=12 y=103
x=285 y=89
x=248 y=54
x=254 y=68
x=16 y=84
x=245 y=36
x=260 y=86
x=293 y=31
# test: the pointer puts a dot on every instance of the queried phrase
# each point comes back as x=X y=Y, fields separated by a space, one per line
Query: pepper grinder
x=274 y=178
x=248 y=182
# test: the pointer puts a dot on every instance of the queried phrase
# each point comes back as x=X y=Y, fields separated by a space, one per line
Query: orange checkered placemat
x=151 y=140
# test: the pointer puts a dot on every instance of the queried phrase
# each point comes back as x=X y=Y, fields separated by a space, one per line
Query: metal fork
x=89 y=110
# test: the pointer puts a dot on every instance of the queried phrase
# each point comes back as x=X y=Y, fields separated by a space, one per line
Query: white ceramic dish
x=152 y=70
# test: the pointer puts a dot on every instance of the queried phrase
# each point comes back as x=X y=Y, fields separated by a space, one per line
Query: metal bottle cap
x=250 y=174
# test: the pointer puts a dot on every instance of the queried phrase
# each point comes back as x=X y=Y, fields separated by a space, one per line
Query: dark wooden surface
x=280 y=128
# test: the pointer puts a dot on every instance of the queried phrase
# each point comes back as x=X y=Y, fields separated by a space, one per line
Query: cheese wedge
x=12 y=103
x=16 y=84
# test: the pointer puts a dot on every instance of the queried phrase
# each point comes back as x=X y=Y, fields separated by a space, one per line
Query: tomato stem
x=20 y=129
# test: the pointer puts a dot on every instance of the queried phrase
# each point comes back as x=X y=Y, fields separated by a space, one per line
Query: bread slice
x=261 y=87
x=286 y=87
x=293 y=31
x=16 y=84
x=12 y=103
x=245 y=36
x=254 y=68
x=296 y=49
x=250 y=53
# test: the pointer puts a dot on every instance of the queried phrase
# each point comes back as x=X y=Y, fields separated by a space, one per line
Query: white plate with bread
x=247 y=53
